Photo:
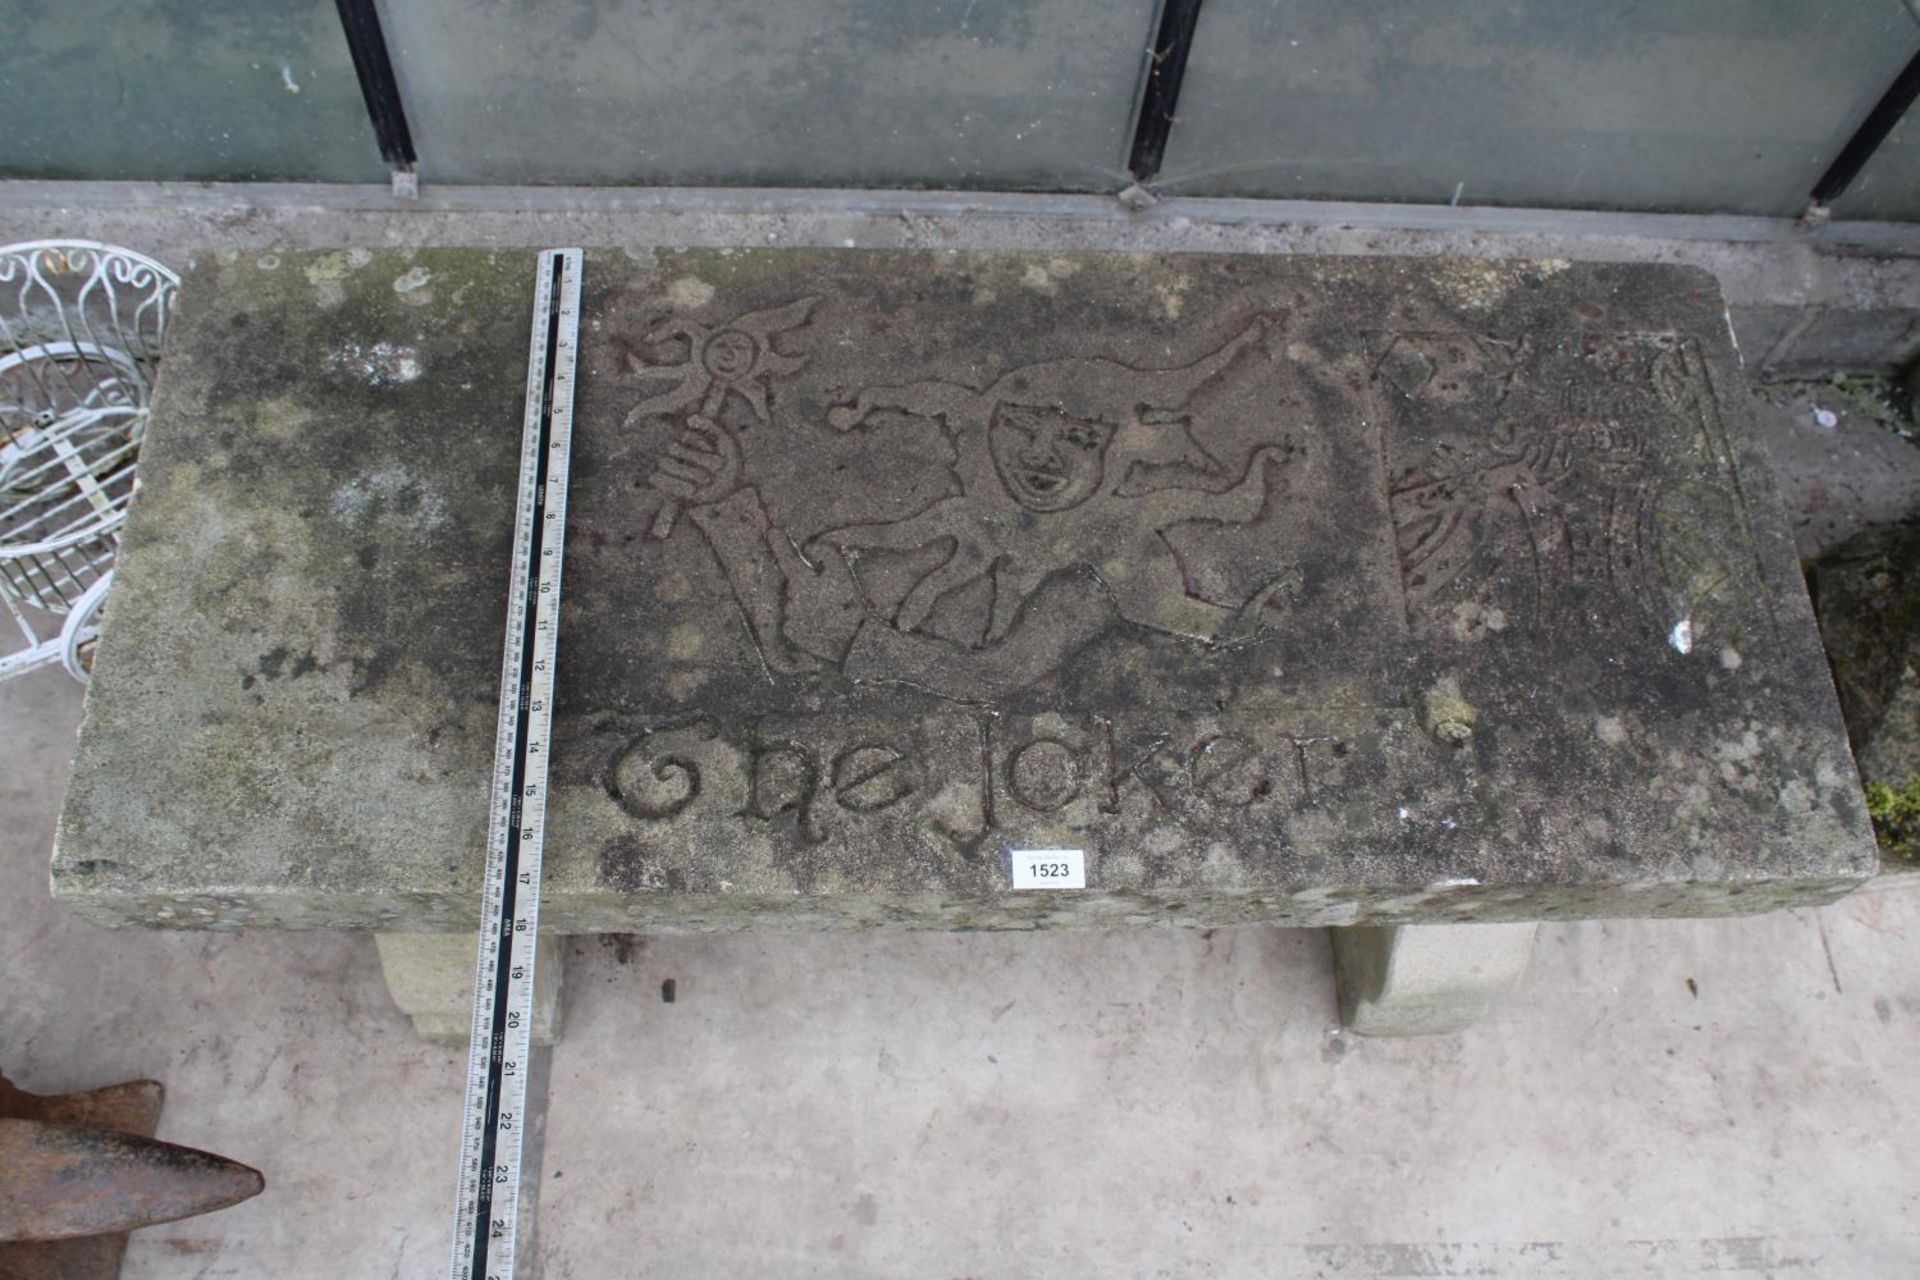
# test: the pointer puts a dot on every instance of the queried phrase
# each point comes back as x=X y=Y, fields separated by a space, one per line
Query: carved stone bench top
x=1319 y=591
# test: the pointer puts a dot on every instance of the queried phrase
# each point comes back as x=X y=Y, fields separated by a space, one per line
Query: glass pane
x=1706 y=106
x=946 y=93
x=215 y=90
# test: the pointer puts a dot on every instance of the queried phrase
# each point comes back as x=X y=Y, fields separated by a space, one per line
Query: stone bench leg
x=430 y=976
x=1429 y=979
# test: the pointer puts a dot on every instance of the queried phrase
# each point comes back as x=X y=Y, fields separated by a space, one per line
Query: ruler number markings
x=488 y=1201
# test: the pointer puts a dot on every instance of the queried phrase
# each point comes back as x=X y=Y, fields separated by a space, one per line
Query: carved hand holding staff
x=738 y=358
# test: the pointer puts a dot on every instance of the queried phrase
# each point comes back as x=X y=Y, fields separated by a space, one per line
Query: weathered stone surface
x=1318 y=591
x=1867 y=595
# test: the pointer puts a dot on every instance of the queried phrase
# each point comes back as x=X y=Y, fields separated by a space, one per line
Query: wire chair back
x=81 y=327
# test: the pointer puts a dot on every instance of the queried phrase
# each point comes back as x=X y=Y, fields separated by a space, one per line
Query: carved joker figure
x=1056 y=463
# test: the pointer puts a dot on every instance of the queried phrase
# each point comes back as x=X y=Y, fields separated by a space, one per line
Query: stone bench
x=1380 y=594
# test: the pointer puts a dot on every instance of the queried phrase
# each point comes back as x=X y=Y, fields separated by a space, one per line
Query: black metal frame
x=1171 y=45
x=1872 y=132
x=368 y=44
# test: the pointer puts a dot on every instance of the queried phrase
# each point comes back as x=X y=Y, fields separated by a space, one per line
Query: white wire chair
x=81 y=326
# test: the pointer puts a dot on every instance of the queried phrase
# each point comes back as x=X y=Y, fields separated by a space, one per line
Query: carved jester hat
x=1060 y=431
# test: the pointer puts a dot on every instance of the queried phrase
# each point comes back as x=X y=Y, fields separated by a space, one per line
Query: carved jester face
x=1047 y=459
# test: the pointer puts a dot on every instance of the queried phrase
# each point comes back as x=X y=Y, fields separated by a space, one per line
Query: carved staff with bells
x=738 y=358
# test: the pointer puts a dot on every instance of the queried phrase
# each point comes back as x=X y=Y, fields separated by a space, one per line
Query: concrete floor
x=1662 y=1099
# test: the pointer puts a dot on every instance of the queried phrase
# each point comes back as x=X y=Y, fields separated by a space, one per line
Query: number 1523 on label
x=1049 y=868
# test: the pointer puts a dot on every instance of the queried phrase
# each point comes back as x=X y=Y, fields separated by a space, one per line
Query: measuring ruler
x=502 y=1038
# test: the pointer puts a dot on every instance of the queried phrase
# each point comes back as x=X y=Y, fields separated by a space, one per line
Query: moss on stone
x=1896 y=818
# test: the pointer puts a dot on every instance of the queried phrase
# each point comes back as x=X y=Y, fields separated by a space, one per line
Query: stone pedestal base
x=430 y=976
x=1422 y=980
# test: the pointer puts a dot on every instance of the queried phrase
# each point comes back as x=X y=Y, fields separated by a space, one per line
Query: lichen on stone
x=1445 y=714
